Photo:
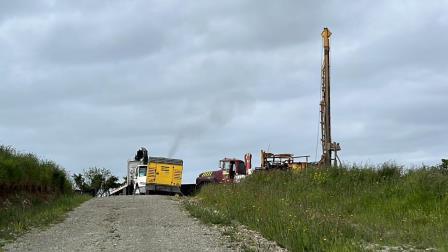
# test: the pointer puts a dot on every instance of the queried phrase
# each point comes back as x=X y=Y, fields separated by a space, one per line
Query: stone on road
x=133 y=223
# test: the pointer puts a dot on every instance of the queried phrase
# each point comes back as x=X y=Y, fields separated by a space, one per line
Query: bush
x=25 y=172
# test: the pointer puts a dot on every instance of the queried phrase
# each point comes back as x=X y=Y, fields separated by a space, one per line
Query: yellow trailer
x=164 y=175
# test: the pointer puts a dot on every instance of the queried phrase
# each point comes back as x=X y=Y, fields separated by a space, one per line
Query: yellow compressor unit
x=164 y=175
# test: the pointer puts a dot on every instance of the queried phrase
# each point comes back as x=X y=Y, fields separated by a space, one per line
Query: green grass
x=336 y=209
x=33 y=193
x=22 y=212
x=26 y=172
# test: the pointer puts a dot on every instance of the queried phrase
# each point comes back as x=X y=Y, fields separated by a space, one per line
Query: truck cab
x=231 y=170
x=140 y=181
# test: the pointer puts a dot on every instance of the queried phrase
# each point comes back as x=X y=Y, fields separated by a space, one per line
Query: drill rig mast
x=329 y=149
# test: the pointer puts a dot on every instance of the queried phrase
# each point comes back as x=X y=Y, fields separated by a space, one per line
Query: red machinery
x=230 y=170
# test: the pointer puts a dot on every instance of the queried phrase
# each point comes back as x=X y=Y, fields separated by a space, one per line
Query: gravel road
x=134 y=223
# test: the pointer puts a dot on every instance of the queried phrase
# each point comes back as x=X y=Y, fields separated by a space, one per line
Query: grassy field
x=337 y=209
x=21 y=212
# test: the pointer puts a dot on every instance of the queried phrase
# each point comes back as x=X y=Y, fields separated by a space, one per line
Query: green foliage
x=25 y=172
x=112 y=182
x=337 y=209
x=95 y=180
x=20 y=213
x=444 y=165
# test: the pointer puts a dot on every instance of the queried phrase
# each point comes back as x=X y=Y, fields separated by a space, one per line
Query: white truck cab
x=140 y=181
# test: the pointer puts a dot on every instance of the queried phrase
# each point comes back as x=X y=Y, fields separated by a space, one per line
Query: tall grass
x=25 y=172
x=21 y=212
x=336 y=209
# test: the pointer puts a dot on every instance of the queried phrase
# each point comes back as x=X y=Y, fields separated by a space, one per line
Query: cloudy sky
x=86 y=83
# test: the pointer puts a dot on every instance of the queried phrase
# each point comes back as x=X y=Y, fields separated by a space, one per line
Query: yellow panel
x=151 y=175
x=164 y=174
x=297 y=166
x=177 y=175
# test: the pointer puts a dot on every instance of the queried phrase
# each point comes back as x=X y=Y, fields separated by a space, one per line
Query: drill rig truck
x=231 y=170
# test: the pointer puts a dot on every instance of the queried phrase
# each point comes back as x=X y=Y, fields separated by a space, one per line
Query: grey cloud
x=87 y=83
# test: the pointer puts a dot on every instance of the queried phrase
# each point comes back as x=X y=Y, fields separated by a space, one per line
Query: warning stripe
x=206 y=174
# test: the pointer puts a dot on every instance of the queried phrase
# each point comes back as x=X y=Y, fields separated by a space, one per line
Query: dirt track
x=134 y=223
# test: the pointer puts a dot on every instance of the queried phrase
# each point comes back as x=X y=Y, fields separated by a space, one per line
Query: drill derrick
x=329 y=148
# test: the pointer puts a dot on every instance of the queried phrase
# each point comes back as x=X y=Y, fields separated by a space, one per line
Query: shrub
x=25 y=172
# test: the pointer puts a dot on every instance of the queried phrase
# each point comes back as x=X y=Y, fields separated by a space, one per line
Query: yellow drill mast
x=329 y=149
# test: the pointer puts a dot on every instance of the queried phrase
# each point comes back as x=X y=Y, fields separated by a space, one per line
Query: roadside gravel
x=134 y=223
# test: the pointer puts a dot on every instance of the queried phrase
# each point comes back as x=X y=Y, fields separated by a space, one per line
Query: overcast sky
x=86 y=83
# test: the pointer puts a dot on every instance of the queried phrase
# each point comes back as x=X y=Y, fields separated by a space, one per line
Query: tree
x=444 y=164
x=111 y=182
x=96 y=181
x=79 y=181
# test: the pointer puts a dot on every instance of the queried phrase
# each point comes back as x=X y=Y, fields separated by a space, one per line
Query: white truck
x=136 y=179
x=152 y=174
x=136 y=166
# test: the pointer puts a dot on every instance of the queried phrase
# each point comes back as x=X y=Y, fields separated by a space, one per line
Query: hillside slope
x=336 y=209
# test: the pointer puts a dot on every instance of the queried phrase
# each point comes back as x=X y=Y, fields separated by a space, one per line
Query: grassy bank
x=33 y=193
x=26 y=172
x=344 y=209
x=21 y=212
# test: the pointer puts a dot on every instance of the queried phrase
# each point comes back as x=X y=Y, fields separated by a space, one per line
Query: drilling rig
x=329 y=149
